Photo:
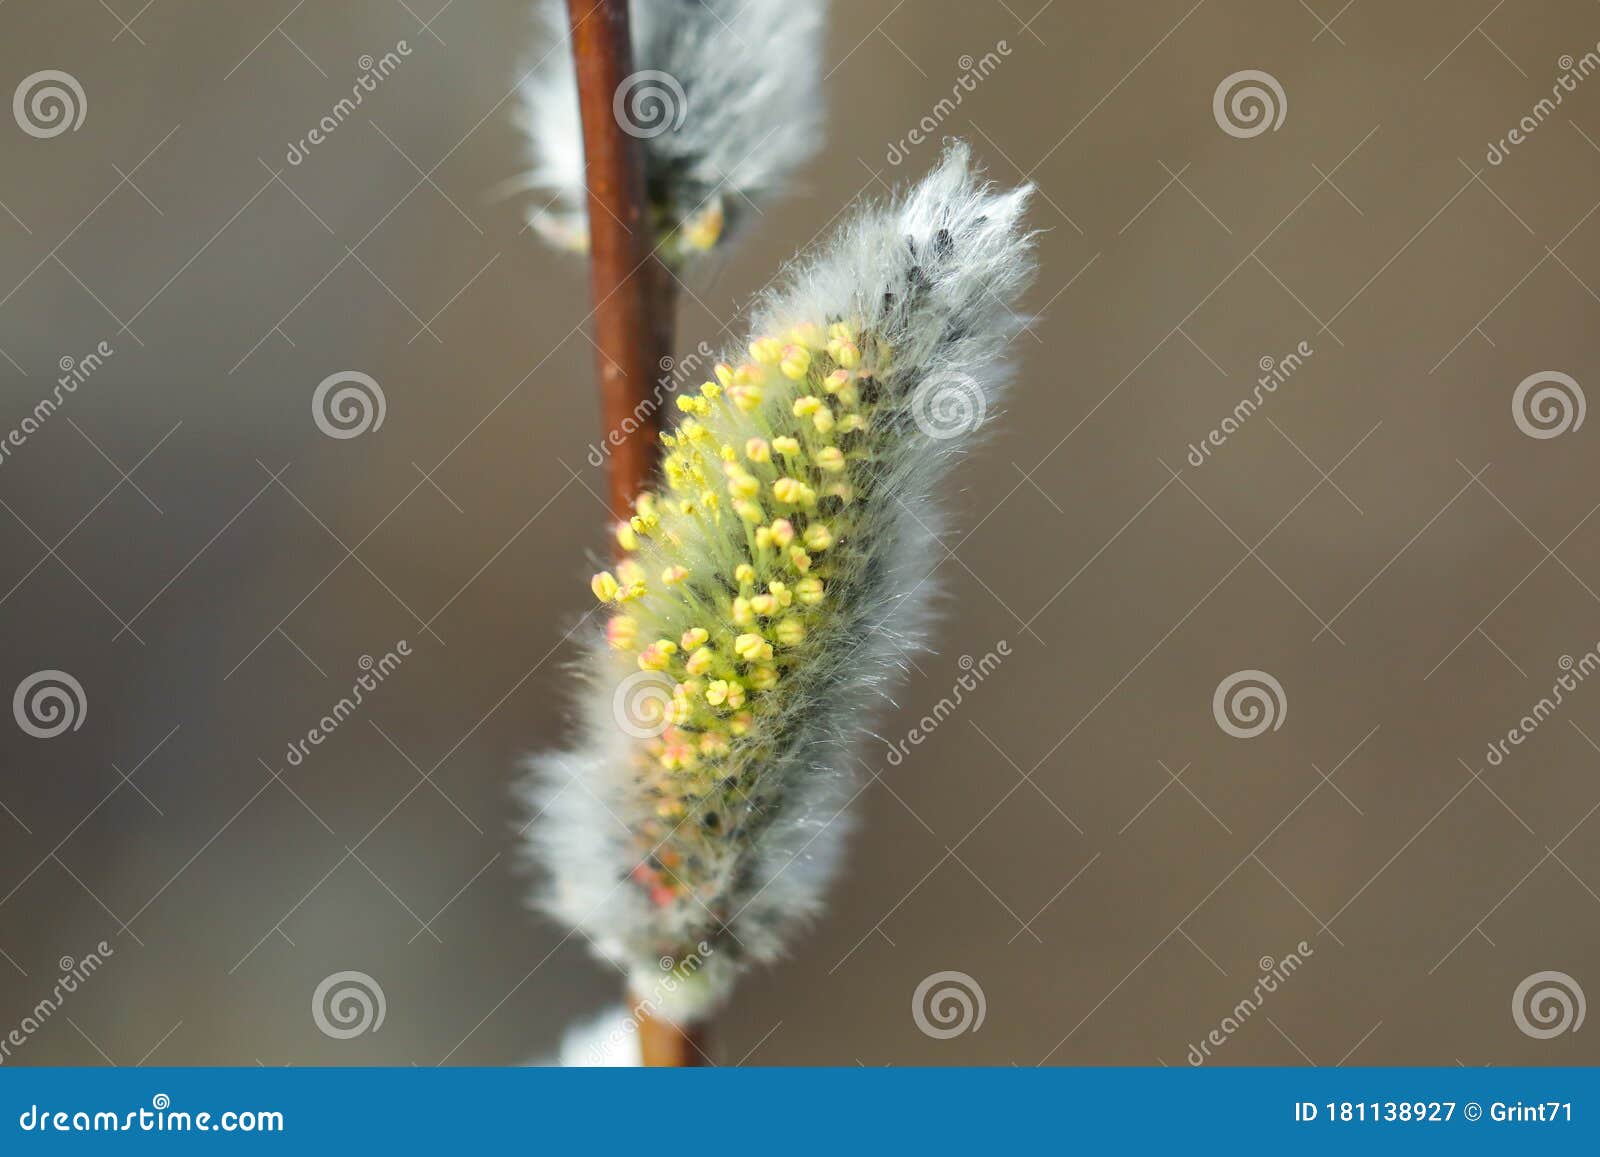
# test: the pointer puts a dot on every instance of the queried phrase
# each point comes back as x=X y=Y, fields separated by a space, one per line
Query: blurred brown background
x=1082 y=839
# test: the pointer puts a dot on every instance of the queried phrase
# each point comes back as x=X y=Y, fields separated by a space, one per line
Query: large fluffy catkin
x=772 y=588
x=726 y=97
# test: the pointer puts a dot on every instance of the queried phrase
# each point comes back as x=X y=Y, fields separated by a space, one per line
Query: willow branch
x=631 y=288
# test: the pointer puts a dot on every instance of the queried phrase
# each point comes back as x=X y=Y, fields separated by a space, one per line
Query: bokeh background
x=1082 y=839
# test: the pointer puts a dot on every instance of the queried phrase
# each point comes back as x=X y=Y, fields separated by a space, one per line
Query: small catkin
x=772 y=587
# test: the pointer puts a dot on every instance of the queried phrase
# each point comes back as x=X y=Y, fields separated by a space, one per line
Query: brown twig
x=633 y=314
x=633 y=297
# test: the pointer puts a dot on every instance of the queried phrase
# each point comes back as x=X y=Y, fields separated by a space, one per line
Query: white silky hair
x=935 y=274
x=749 y=72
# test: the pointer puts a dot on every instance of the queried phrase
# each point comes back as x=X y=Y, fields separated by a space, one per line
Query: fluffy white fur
x=750 y=72
x=934 y=276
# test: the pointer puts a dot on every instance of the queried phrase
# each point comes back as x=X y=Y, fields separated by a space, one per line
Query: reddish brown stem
x=632 y=290
x=663 y=1044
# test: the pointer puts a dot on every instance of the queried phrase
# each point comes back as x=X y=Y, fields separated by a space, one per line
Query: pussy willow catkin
x=773 y=584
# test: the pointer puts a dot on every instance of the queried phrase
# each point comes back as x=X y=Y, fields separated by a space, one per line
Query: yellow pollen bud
x=693 y=637
x=622 y=632
x=742 y=484
x=806 y=404
x=788 y=446
x=604 y=585
x=699 y=662
x=744 y=573
x=645 y=504
x=789 y=632
x=796 y=362
x=703 y=229
x=747 y=398
x=808 y=591
x=781 y=592
x=831 y=459
x=751 y=512
x=724 y=374
x=743 y=616
x=823 y=420
x=800 y=559
x=787 y=490
x=653 y=658
x=757 y=450
x=717 y=692
x=846 y=353
x=735 y=694
x=727 y=453
x=763 y=678
x=674 y=574
x=751 y=646
x=782 y=532
x=818 y=537
x=766 y=351
x=630 y=572
x=741 y=723
x=763 y=537
x=842 y=331
x=626 y=538
x=836 y=381
x=763 y=604
x=710 y=390
x=851 y=423
x=807 y=334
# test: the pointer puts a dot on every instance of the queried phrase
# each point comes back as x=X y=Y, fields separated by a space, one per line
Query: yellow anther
x=831 y=459
x=674 y=574
x=809 y=591
x=741 y=723
x=788 y=490
x=842 y=331
x=851 y=423
x=823 y=420
x=758 y=450
x=806 y=404
x=710 y=390
x=747 y=398
x=789 y=632
x=764 y=537
x=796 y=362
x=763 y=604
x=782 y=532
x=693 y=637
x=786 y=445
x=818 y=537
x=605 y=586
x=743 y=616
x=781 y=592
x=751 y=646
x=626 y=538
x=699 y=662
x=622 y=632
x=653 y=658
x=742 y=484
x=751 y=512
x=630 y=572
x=744 y=573
x=836 y=381
x=724 y=373
x=703 y=230
x=766 y=350
x=763 y=678
x=846 y=353
x=717 y=692
x=800 y=559
x=807 y=334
